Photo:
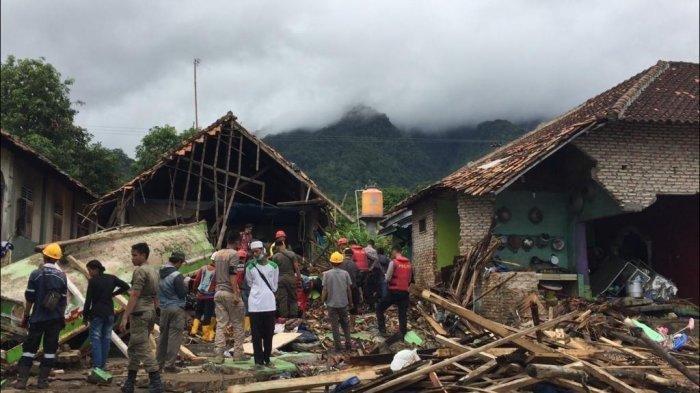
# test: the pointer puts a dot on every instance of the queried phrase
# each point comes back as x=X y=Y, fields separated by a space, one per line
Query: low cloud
x=283 y=65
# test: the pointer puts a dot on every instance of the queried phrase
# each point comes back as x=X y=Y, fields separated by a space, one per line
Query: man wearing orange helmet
x=45 y=304
x=281 y=236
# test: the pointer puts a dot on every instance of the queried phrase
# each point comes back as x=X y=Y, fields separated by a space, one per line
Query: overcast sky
x=287 y=64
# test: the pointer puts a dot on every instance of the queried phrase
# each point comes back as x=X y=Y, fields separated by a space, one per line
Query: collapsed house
x=38 y=201
x=228 y=177
x=612 y=181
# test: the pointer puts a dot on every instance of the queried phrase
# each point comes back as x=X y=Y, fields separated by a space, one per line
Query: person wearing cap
x=172 y=294
x=337 y=296
x=280 y=236
x=228 y=304
x=140 y=314
x=342 y=244
x=45 y=304
x=261 y=275
x=204 y=285
x=289 y=277
x=98 y=310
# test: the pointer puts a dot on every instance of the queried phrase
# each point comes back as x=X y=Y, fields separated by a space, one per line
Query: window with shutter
x=25 y=212
x=57 y=232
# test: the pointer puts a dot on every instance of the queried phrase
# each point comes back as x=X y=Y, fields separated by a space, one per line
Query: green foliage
x=365 y=148
x=36 y=107
x=157 y=142
x=393 y=195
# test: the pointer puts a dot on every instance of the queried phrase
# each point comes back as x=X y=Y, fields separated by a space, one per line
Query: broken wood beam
x=494 y=327
x=647 y=378
x=462 y=348
x=473 y=352
x=661 y=352
x=432 y=322
x=550 y=371
x=305 y=383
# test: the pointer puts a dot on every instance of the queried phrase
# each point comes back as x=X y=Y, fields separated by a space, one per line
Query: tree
x=157 y=142
x=394 y=195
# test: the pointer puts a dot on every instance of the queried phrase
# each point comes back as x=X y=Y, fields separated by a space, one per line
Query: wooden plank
x=435 y=381
x=495 y=327
x=302 y=384
x=513 y=385
x=617 y=384
x=623 y=349
x=480 y=371
x=556 y=277
x=493 y=344
x=432 y=322
x=278 y=340
x=199 y=181
x=462 y=348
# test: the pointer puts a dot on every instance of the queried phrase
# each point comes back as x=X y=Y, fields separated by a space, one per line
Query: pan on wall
x=503 y=214
x=535 y=215
x=514 y=242
x=528 y=242
x=543 y=240
x=558 y=244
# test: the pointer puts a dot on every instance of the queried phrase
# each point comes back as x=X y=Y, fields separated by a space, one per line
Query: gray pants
x=339 y=316
x=172 y=328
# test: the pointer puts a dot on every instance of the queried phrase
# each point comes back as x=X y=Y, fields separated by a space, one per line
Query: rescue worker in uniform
x=140 y=313
x=399 y=277
x=362 y=263
x=289 y=277
x=172 y=293
x=228 y=303
x=45 y=304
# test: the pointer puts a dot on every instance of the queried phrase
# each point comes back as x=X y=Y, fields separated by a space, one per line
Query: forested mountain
x=364 y=147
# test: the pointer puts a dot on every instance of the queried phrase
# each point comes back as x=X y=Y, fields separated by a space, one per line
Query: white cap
x=256 y=244
x=213 y=256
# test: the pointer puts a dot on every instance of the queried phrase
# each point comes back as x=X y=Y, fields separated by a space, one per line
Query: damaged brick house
x=612 y=180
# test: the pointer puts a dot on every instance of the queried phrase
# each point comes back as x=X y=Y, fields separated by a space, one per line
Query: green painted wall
x=601 y=204
x=447 y=228
x=555 y=222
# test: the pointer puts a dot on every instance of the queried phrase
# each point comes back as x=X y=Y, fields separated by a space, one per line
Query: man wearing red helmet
x=279 y=236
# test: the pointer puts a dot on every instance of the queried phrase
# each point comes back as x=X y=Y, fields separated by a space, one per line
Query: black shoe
x=43 y=381
x=128 y=385
x=22 y=377
x=155 y=384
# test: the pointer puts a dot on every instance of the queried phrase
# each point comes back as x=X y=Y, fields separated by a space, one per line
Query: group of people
x=243 y=279
x=365 y=276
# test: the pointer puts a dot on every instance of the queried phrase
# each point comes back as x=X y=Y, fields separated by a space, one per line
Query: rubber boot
x=128 y=386
x=211 y=331
x=43 y=381
x=22 y=377
x=205 y=332
x=155 y=384
x=195 y=327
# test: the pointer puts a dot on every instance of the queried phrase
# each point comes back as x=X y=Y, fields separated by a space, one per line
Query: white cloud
x=282 y=65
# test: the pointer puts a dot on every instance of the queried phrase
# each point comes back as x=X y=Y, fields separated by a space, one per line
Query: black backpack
x=51 y=297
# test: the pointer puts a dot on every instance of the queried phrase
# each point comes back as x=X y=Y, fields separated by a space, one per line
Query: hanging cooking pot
x=558 y=244
x=535 y=215
x=514 y=242
x=503 y=214
x=542 y=241
x=528 y=242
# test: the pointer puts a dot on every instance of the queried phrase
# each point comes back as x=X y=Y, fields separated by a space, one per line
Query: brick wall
x=424 y=249
x=475 y=214
x=501 y=304
x=635 y=162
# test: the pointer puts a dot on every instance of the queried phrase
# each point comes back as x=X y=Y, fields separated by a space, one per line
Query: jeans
x=100 y=334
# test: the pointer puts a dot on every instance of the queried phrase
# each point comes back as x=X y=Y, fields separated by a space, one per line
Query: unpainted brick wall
x=635 y=162
x=501 y=304
x=475 y=214
x=424 y=249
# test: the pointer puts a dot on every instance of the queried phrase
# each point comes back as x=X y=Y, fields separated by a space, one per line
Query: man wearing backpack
x=289 y=276
x=45 y=305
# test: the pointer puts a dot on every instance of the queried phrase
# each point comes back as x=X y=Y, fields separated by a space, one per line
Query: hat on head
x=336 y=258
x=280 y=234
x=342 y=240
x=53 y=251
x=256 y=244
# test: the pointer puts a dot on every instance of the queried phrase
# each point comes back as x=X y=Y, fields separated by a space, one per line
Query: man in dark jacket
x=289 y=276
x=172 y=293
x=399 y=277
x=349 y=266
x=44 y=311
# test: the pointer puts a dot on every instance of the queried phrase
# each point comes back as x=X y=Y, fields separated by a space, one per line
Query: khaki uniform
x=142 y=319
x=286 y=294
x=227 y=312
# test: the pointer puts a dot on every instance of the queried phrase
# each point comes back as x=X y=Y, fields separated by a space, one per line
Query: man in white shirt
x=262 y=276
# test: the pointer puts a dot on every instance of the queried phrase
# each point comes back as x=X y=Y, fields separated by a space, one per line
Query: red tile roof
x=665 y=92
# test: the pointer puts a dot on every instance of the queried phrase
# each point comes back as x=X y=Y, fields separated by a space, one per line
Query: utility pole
x=196 y=114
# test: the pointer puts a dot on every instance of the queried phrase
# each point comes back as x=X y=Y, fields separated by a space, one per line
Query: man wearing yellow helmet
x=337 y=296
x=46 y=298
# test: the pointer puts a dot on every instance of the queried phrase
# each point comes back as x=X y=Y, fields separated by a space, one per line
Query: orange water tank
x=372 y=203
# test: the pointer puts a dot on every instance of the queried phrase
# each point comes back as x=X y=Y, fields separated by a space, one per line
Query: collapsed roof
x=224 y=163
